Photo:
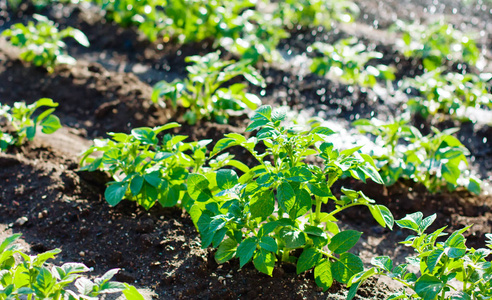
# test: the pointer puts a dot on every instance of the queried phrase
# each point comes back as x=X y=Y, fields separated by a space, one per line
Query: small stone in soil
x=21 y=221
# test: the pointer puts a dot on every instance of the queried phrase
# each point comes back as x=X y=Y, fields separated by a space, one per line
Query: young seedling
x=347 y=61
x=439 y=264
x=278 y=205
x=204 y=93
x=42 y=44
x=24 y=276
x=21 y=122
x=437 y=160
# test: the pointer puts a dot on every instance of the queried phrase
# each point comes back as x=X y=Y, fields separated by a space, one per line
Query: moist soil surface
x=108 y=90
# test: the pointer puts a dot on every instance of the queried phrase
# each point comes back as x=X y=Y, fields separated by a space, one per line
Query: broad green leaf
x=434 y=258
x=50 y=124
x=44 y=283
x=346 y=266
x=115 y=192
x=264 y=261
x=299 y=174
x=286 y=196
x=198 y=187
x=226 y=179
x=293 y=238
x=383 y=262
x=268 y=243
x=344 y=241
x=132 y=293
x=136 y=184
x=382 y=215
x=411 y=221
x=308 y=259
x=245 y=250
x=323 y=276
x=153 y=178
x=428 y=287
x=223 y=144
x=226 y=251
x=145 y=134
x=262 y=204
x=302 y=203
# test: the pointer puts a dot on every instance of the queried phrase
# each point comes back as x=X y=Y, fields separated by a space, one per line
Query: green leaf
x=428 y=287
x=262 y=204
x=115 y=193
x=154 y=178
x=346 y=266
x=320 y=190
x=286 y=196
x=136 y=185
x=293 y=237
x=44 y=283
x=264 y=261
x=301 y=205
x=223 y=144
x=50 y=124
x=434 y=258
x=30 y=132
x=308 y=259
x=299 y=174
x=382 y=215
x=198 y=187
x=411 y=221
x=132 y=293
x=344 y=241
x=226 y=179
x=323 y=276
x=245 y=250
x=80 y=37
x=145 y=134
x=383 y=262
x=268 y=243
x=226 y=251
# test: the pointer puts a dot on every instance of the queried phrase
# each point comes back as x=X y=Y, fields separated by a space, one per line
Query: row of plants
x=279 y=205
x=24 y=276
x=284 y=202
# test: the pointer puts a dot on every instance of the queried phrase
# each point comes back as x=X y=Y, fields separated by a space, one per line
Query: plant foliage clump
x=145 y=169
x=451 y=93
x=437 y=160
x=24 y=276
x=348 y=61
x=204 y=93
x=21 y=122
x=41 y=43
x=276 y=206
x=438 y=264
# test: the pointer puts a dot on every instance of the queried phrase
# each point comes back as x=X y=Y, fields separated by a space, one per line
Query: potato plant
x=311 y=13
x=24 y=276
x=348 y=60
x=439 y=263
x=42 y=43
x=278 y=206
x=21 y=121
x=438 y=160
x=145 y=169
x=437 y=43
x=451 y=93
x=205 y=93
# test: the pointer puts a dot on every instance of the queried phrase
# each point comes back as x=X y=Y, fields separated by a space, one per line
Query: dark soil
x=109 y=90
